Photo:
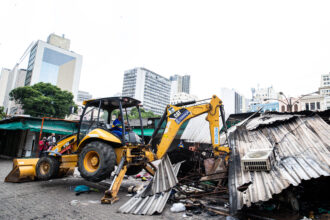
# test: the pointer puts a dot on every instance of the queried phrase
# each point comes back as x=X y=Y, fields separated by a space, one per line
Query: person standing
x=52 y=140
x=43 y=146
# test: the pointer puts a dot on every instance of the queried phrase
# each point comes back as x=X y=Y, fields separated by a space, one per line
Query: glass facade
x=31 y=65
x=52 y=63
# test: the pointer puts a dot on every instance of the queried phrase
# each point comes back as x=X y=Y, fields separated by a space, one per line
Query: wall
x=313 y=100
x=35 y=78
x=228 y=98
x=3 y=84
x=139 y=85
x=66 y=75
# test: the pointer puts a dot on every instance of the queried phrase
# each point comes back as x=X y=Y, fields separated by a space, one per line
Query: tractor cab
x=110 y=115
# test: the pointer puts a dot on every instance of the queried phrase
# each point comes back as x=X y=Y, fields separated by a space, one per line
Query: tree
x=43 y=100
x=134 y=114
x=2 y=112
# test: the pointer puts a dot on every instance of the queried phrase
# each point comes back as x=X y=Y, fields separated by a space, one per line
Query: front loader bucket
x=23 y=170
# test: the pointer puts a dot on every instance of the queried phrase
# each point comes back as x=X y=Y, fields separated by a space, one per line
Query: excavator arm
x=177 y=115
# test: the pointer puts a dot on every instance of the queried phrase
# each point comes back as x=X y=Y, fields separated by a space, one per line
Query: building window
x=312 y=106
x=318 y=106
x=307 y=106
x=295 y=107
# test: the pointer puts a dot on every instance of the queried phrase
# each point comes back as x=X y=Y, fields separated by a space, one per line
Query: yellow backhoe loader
x=97 y=147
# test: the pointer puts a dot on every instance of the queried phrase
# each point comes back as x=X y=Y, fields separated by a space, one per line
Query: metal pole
x=129 y=136
x=158 y=126
x=142 y=134
x=98 y=113
x=80 y=122
x=122 y=121
x=222 y=111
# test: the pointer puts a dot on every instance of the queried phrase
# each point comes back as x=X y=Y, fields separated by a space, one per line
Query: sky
x=236 y=44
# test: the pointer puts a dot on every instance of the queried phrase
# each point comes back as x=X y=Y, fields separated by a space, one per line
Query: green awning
x=146 y=131
x=57 y=127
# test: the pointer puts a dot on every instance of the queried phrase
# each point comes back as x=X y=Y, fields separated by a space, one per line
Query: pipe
x=158 y=126
x=142 y=134
x=122 y=121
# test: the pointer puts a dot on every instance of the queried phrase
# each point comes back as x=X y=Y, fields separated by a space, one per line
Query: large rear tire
x=47 y=168
x=96 y=161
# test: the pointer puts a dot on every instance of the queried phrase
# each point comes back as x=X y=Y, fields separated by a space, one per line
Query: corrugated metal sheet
x=151 y=200
x=302 y=152
x=266 y=120
x=165 y=177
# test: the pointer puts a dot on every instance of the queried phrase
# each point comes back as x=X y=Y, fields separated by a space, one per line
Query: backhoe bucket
x=23 y=170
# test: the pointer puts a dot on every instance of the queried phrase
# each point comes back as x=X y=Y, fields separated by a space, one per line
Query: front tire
x=96 y=161
x=47 y=168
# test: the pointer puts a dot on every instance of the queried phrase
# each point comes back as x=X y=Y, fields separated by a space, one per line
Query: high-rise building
x=3 y=84
x=82 y=95
x=233 y=102
x=180 y=84
x=325 y=85
x=264 y=99
x=52 y=62
x=15 y=79
x=261 y=94
x=152 y=89
x=186 y=84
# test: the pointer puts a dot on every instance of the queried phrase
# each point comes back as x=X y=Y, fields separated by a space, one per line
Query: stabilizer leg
x=110 y=196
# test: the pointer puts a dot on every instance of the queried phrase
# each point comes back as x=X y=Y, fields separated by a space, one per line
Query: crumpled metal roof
x=302 y=149
x=153 y=198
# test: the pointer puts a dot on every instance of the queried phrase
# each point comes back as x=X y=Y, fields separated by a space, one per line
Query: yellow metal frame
x=173 y=124
x=175 y=115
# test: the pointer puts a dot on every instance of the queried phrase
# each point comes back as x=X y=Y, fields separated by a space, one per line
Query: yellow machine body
x=25 y=169
x=129 y=154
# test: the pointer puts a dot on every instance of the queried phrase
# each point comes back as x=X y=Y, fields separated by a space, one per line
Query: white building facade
x=315 y=102
x=15 y=79
x=3 y=84
x=52 y=62
x=233 y=102
x=180 y=84
x=82 y=95
x=152 y=89
x=325 y=89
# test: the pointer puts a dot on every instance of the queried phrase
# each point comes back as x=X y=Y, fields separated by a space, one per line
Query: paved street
x=51 y=200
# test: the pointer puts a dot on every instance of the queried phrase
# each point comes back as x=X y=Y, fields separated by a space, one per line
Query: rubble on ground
x=299 y=162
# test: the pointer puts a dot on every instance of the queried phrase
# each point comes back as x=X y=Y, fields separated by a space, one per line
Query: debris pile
x=275 y=166
x=203 y=185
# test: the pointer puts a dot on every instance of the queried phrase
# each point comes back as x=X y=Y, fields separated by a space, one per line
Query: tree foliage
x=43 y=100
x=134 y=114
x=2 y=112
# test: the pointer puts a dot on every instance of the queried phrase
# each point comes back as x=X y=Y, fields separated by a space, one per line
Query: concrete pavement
x=52 y=200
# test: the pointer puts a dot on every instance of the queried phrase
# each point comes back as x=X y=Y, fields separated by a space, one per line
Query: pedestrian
x=52 y=140
x=43 y=146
